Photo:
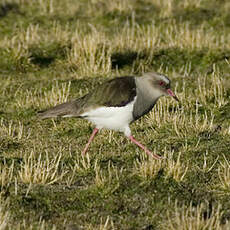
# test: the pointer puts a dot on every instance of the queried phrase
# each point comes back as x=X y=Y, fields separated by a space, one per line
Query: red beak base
x=170 y=92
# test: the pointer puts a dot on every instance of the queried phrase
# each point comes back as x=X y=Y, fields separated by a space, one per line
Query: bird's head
x=161 y=84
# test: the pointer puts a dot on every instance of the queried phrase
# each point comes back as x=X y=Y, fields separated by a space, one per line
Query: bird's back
x=114 y=93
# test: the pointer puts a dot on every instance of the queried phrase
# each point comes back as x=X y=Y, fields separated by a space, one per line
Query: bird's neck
x=146 y=98
x=146 y=89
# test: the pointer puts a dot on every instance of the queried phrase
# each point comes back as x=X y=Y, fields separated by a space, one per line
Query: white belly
x=115 y=118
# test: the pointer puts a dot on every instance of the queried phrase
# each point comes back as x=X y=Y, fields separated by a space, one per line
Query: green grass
x=52 y=51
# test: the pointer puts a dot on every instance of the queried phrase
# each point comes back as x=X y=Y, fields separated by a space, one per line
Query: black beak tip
x=176 y=98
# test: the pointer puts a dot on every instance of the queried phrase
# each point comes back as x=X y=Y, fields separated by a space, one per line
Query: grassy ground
x=54 y=50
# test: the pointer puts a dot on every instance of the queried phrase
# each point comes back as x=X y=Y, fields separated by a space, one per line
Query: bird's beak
x=170 y=92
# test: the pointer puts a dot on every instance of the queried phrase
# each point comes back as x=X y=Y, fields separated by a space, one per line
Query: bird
x=116 y=103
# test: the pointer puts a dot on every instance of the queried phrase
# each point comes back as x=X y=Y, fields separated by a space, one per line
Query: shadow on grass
x=7 y=8
x=173 y=58
x=127 y=58
x=43 y=56
x=200 y=59
x=42 y=61
x=121 y=59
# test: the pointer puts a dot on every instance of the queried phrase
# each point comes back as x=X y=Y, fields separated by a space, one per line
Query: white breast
x=115 y=118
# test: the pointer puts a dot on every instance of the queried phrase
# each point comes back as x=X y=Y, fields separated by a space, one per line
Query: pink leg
x=90 y=140
x=144 y=148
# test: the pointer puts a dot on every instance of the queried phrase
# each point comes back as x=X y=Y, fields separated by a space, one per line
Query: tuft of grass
x=175 y=169
x=224 y=174
x=5 y=215
x=90 y=54
x=58 y=93
x=104 y=225
x=4 y=218
x=200 y=217
x=14 y=131
x=40 y=171
x=6 y=177
x=149 y=168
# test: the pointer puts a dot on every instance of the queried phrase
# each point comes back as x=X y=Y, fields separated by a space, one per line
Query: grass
x=52 y=51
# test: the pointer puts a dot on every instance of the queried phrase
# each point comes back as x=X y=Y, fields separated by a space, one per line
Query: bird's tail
x=63 y=110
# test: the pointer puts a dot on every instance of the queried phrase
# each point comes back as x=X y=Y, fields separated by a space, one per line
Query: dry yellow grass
x=148 y=167
x=37 y=170
x=58 y=94
x=195 y=218
x=224 y=175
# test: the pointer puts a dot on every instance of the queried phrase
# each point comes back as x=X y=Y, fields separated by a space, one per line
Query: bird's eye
x=161 y=83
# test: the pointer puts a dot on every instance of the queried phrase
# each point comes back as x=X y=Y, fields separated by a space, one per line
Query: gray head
x=160 y=83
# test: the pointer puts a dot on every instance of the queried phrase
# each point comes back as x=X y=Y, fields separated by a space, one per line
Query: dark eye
x=161 y=83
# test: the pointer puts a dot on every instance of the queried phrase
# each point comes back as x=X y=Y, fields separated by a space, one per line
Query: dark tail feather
x=67 y=109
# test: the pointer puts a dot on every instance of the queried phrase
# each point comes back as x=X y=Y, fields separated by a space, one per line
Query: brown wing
x=114 y=93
